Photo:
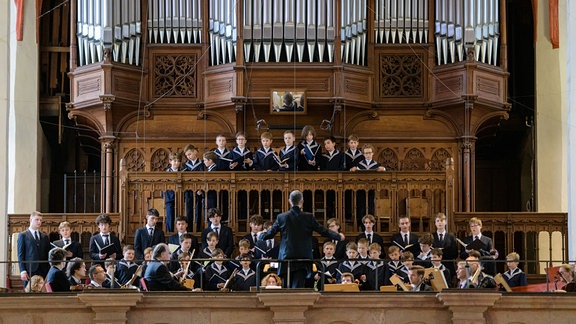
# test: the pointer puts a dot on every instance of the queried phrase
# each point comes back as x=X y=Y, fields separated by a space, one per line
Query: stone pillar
x=108 y=171
x=288 y=308
x=567 y=21
x=19 y=139
x=110 y=308
x=467 y=310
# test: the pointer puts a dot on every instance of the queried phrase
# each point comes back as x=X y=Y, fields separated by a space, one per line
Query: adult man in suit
x=406 y=240
x=103 y=239
x=157 y=275
x=225 y=234
x=149 y=235
x=33 y=247
x=181 y=228
x=73 y=248
x=447 y=242
x=487 y=252
x=296 y=228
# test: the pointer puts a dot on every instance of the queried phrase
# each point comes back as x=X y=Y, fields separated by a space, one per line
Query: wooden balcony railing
x=419 y=194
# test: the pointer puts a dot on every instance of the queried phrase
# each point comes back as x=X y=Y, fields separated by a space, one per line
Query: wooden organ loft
x=416 y=78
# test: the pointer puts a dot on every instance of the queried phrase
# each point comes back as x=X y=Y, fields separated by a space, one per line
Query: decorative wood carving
x=401 y=75
x=159 y=160
x=389 y=159
x=438 y=161
x=134 y=160
x=175 y=75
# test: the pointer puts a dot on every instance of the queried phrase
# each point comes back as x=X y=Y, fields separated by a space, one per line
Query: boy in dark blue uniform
x=264 y=159
x=224 y=156
x=240 y=155
x=289 y=153
x=310 y=152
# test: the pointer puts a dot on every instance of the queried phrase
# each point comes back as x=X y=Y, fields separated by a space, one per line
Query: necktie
x=475 y=238
x=151 y=231
x=255 y=237
x=405 y=239
x=105 y=239
x=66 y=241
x=369 y=237
x=36 y=236
x=441 y=237
x=216 y=230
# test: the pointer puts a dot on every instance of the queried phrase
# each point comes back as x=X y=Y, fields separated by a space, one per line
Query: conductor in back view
x=296 y=229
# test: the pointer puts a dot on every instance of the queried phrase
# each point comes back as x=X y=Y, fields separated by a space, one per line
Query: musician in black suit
x=149 y=235
x=181 y=228
x=447 y=242
x=56 y=276
x=406 y=238
x=225 y=233
x=296 y=228
x=73 y=248
x=157 y=276
x=487 y=251
x=33 y=246
x=102 y=239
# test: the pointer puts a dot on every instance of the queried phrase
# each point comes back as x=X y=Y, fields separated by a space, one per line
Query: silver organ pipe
x=402 y=21
x=468 y=24
x=353 y=31
x=287 y=30
x=109 y=24
x=171 y=21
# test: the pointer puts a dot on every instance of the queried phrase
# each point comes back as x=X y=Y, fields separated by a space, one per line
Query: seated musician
x=157 y=275
x=347 y=278
x=470 y=273
x=126 y=267
x=514 y=276
x=271 y=280
x=35 y=285
x=76 y=271
x=245 y=277
x=416 y=275
x=566 y=273
x=56 y=276
x=97 y=276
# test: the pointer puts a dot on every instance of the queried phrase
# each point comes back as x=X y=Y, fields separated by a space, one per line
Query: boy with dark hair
x=174 y=159
x=425 y=256
x=340 y=246
x=353 y=154
x=369 y=234
x=351 y=264
x=256 y=222
x=56 y=277
x=193 y=163
x=332 y=159
x=104 y=239
x=149 y=235
x=405 y=239
x=246 y=276
x=436 y=263
x=181 y=229
x=224 y=233
x=310 y=152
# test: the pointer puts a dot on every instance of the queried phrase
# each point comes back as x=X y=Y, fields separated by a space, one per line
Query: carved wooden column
x=108 y=170
x=467 y=150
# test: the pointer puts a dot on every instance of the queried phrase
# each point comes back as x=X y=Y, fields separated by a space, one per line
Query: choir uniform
x=375 y=275
x=215 y=274
x=195 y=165
x=332 y=161
x=224 y=160
x=515 y=277
x=264 y=160
x=289 y=154
x=352 y=158
x=243 y=280
x=303 y=160
x=239 y=155
x=125 y=271
x=355 y=267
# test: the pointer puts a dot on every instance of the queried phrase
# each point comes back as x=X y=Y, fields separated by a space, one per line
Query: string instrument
x=396 y=280
x=227 y=283
x=137 y=273
x=473 y=282
x=184 y=281
x=564 y=285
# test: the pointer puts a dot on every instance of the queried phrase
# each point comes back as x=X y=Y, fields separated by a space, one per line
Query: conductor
x=296 y=227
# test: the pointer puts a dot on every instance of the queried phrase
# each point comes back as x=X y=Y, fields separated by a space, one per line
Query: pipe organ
x=460 y=25
x=174 y=21
x=116 y=25
x=401 y=21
